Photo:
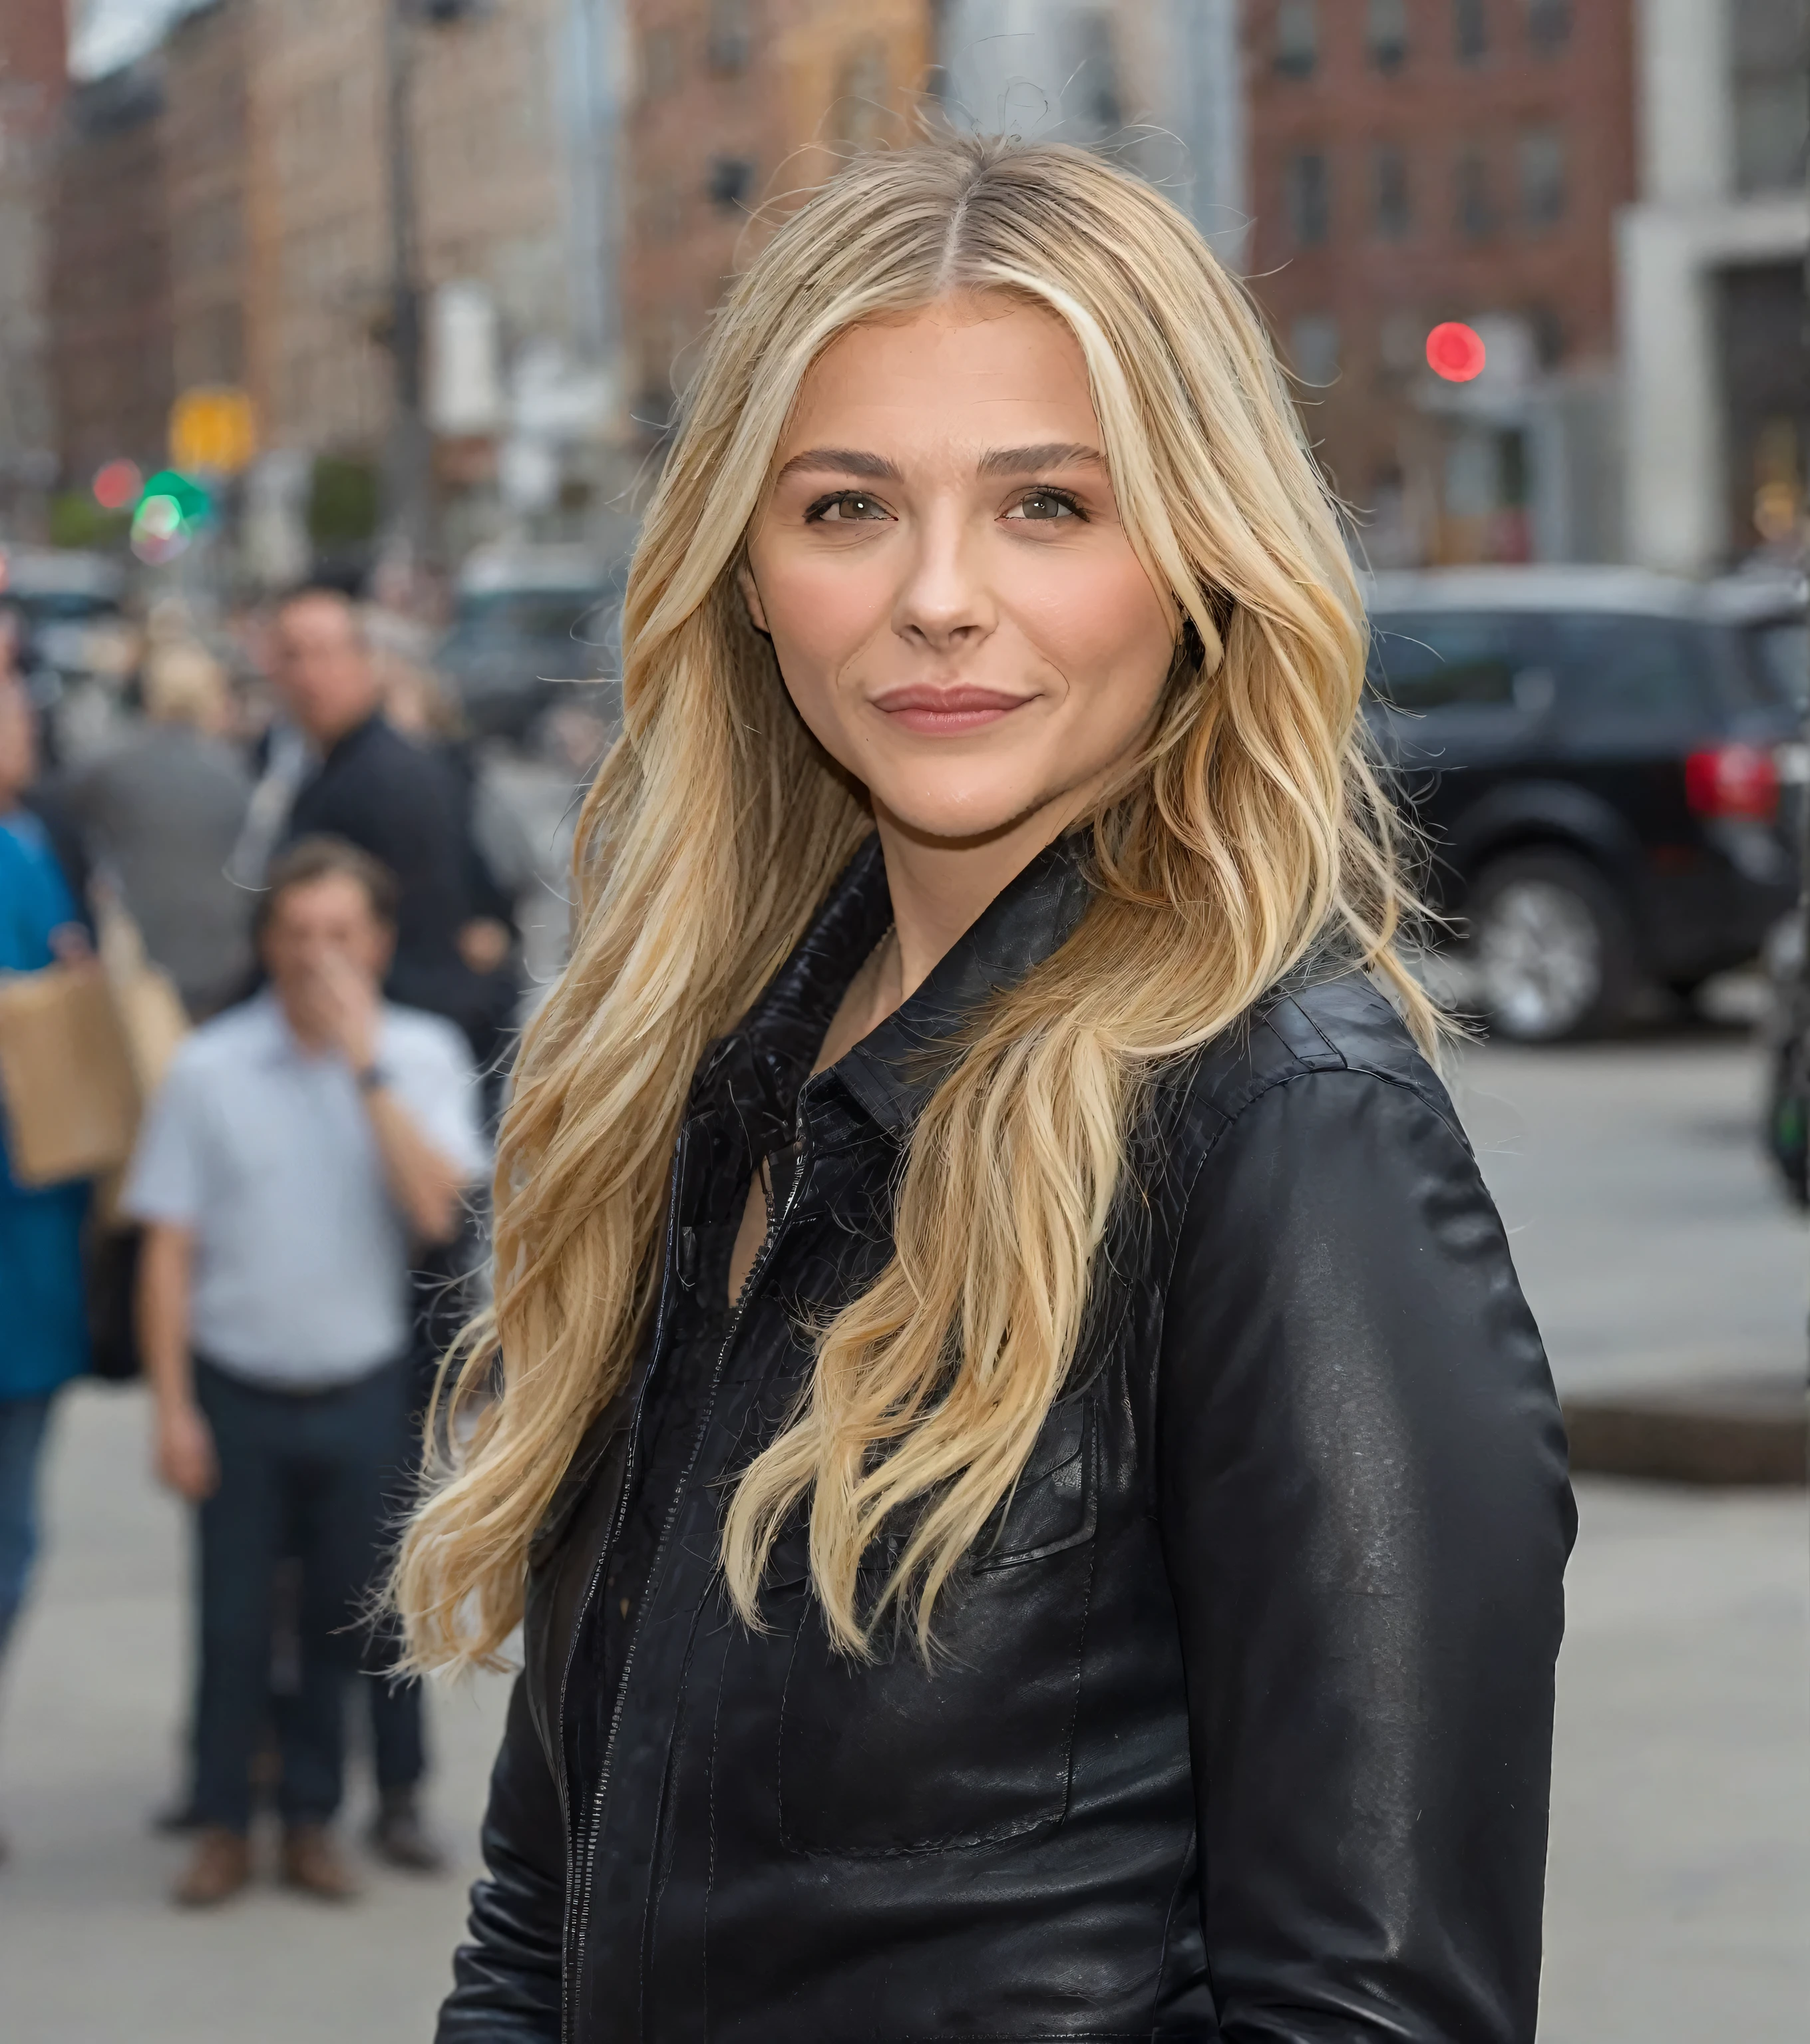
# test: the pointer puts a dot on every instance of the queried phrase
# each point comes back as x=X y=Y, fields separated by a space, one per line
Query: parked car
x=70 y=605
x=1607 y=766
x=536 y=628
x=76 y=647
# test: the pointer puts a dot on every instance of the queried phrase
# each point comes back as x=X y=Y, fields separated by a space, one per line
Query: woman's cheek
x=1096 y=630
x=819 y=620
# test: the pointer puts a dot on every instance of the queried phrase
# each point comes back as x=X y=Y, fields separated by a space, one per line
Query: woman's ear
x=751 y=596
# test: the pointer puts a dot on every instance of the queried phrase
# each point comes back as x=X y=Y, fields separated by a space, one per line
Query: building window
x=1549 y=24
x=1771 y=53
x=1476 y=211
x=1542 y=162
x=732 y=178
x=1470 y=30
x=729 y=41
x=1313 y=347
x=1298 y=38
x=1308 y=197
x=1386 y=34
x=1394 y=209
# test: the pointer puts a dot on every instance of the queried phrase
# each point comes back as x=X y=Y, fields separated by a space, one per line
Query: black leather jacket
x=1241 y=1725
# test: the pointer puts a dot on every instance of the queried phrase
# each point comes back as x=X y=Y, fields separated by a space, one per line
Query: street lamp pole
x=407 y=476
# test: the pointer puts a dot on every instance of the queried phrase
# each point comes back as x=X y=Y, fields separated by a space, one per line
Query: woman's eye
x=1044 y=506
x=846 y=508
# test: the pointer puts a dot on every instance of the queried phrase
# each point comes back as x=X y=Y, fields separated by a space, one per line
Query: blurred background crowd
x=390 y=301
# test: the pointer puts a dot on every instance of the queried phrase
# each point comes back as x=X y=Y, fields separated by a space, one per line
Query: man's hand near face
x=325 y=950
x=344 y=1004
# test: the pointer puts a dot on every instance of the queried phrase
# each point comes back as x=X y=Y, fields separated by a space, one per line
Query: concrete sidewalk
x=1653 y=1240
x=90 y=1951
x=1678 y=1880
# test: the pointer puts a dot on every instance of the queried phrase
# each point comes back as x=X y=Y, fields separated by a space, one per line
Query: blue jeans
x=24 y=1422
x=302 y=1475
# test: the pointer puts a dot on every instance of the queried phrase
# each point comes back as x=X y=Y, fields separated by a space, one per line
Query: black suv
x=1603 y=761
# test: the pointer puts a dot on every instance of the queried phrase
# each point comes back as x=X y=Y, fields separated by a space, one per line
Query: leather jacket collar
x=893 y=1071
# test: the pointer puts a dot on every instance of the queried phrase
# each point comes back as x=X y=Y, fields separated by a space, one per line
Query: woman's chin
x=930 y=810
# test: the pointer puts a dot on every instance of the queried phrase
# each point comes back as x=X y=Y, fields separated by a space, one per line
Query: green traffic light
x=190 y=498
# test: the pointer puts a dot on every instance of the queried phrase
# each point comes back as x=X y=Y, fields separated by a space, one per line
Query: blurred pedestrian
x=401 y=800
x=394 y=799
x=164 y=812
x=299 y=1145
x=45 y=797
x=44 y=1337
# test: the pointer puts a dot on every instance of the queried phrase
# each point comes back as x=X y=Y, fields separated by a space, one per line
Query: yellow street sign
x=213 y=428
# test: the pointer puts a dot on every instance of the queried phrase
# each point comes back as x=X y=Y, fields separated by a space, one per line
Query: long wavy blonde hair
x=1248 y=832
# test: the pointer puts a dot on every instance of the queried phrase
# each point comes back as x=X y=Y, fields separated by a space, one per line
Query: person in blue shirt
x=43 y=1334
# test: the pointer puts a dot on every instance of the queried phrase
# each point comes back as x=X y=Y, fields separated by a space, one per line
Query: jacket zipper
x=586 y=1851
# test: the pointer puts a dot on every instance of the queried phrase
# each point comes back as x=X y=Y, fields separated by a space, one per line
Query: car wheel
x=1553 y=948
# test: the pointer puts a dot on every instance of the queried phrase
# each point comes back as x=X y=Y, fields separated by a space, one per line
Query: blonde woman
x=1036 y=1507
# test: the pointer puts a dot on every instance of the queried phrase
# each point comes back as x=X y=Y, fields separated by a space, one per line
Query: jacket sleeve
x=507 y=1979
x=1366 y=1517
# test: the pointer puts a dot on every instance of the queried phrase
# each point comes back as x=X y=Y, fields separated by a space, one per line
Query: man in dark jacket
x=390 y=797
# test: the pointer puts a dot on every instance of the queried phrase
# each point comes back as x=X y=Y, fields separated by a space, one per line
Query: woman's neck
x=941 y=889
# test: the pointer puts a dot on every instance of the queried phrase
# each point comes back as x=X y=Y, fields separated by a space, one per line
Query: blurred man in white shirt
x=300 y=1144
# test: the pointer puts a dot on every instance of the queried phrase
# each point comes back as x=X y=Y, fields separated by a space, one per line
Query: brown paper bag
x=82 y=1048
x=153 y=1019
x=72 y=1097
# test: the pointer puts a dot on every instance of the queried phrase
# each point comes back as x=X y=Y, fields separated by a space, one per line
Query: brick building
x=109 y=276
x=733 y=105
x=508 y=244
x=1417 y=161
x=33 y=44
x=206 y=133
x=317 y=258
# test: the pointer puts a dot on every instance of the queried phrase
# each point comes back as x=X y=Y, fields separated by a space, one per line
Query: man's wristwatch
x=372 y=1079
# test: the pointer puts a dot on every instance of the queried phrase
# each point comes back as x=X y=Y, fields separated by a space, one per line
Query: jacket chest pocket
x=893 y=1756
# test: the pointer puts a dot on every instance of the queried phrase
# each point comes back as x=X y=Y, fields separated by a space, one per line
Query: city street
x=1653 y=1245
x=402 y=402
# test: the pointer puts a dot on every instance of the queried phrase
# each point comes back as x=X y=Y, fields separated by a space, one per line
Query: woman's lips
x=944 y=713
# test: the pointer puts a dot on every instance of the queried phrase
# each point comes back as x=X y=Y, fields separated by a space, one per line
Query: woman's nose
x=946 y=600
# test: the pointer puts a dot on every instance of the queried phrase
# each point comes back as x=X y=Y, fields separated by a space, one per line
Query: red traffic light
x=1456 y=351
x=118 y=486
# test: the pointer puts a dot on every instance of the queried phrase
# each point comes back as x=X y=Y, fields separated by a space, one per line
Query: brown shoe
x=311 y=1861
x=221 y=1865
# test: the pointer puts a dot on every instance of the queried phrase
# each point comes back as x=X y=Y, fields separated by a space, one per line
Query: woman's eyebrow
x=842 y=461
x=1029 y=460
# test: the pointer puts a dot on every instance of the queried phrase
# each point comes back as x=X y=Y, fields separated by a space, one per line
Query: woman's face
x=956 y=610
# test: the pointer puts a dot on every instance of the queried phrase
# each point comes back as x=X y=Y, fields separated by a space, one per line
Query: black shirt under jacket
x=1240 y=1727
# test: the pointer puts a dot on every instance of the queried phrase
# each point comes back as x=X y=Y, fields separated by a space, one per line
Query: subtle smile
x=947 y=713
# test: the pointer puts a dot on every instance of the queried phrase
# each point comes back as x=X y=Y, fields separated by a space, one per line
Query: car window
x=1778 y=660
x=1450 y=659
x=65 y=607
x=538 y=614
x=1614 y=667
